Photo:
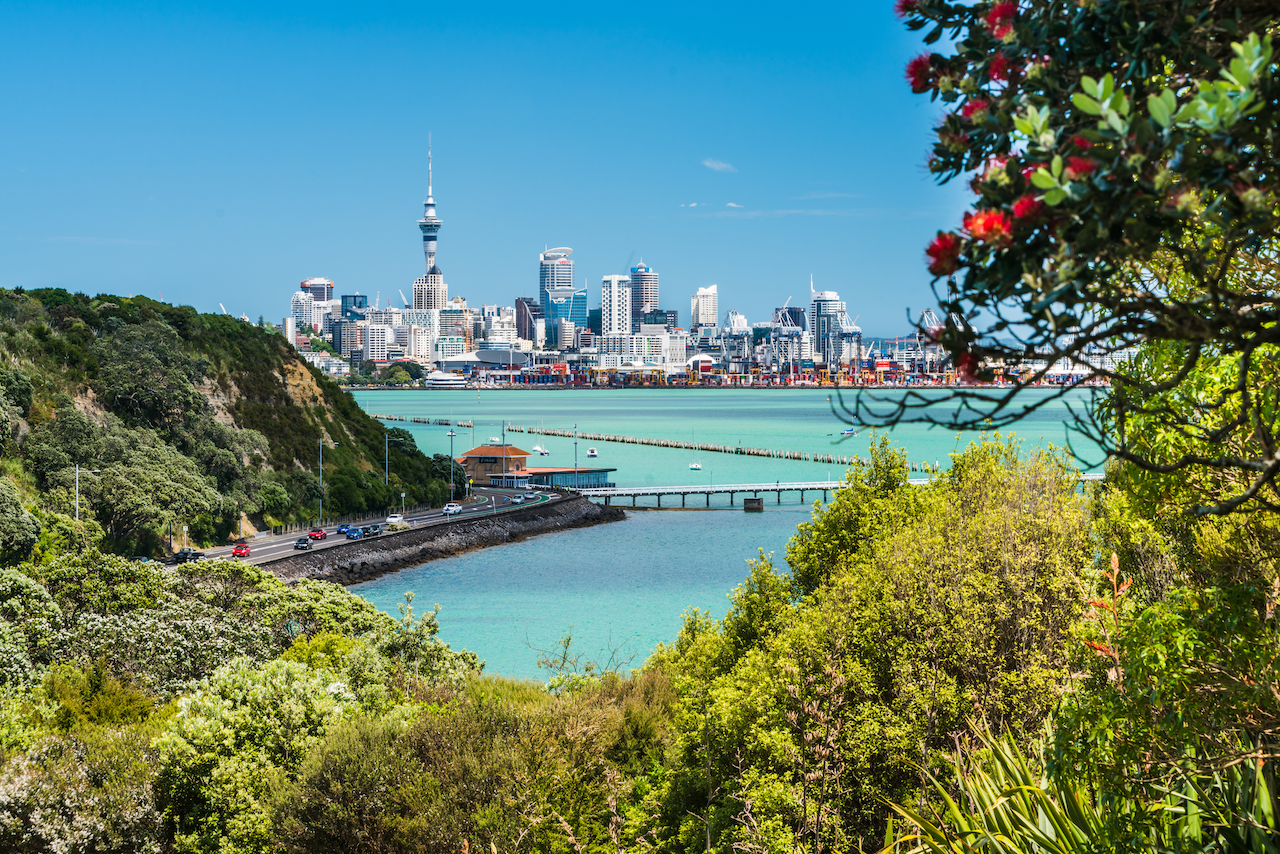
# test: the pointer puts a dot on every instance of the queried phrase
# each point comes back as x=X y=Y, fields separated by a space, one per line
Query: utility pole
x=451 y=435
x=575 y=456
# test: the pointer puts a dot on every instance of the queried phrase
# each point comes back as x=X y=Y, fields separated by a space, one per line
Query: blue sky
x=223 y=154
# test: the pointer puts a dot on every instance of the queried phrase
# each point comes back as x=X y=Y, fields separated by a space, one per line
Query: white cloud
x=693 y=204
x=732 y=205
x=718 y=165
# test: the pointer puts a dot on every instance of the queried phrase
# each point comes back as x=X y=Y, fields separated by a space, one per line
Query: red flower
x=1079 y=167
x=1081 y=143
x=1029 y=171
x=1000 y=68
x=967 y=367
x=975 y=109
x=902 y=8
x=920 y=74
x=1027 y=207
x=944 y=253
x=1000 y=19
x=989 y=226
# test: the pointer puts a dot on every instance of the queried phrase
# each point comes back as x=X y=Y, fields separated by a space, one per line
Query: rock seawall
x=365 y=560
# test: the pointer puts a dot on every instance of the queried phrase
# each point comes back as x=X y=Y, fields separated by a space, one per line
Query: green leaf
x=1159 y=110
x=1042 y=179
x=1055 y=197
x=1106 y=86
x=1086 y=103
x=1056 y=166
x=1117 y=124
x=1089 y=85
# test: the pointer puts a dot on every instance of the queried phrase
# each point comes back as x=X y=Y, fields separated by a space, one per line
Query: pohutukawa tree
x=1124 y=156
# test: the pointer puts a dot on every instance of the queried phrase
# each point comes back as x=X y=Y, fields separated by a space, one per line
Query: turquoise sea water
x=626 y=584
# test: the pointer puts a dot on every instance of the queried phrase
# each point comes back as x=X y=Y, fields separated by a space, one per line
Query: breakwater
x=365 y=560
x=712 y=448
x=706 y=447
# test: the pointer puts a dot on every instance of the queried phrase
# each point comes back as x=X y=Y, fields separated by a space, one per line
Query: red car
x=241 y=550
x=317 y=534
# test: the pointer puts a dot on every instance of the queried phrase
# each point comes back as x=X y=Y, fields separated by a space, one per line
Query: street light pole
x=575 y=456
x=451 y=435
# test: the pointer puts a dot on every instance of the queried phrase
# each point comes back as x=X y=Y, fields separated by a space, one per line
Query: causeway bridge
x=826 y=487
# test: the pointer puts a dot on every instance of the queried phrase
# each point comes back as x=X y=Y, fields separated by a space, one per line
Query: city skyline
x=759 y=155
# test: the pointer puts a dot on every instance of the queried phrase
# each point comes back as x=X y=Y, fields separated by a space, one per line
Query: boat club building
x=508 y=467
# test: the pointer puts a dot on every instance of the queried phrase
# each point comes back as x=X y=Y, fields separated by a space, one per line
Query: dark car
x=354 y=533
x=186 y=554
x=343 y=528
x=372 y=530
x=241 y=550
x=317 y=534
x=302 y=543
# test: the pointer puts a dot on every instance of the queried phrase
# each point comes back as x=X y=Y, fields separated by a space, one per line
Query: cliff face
x=364 y=560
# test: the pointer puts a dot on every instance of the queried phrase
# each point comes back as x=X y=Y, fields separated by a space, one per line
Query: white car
x=517 y=499
x=451 y=509
x=531 y=495
x=395 y=519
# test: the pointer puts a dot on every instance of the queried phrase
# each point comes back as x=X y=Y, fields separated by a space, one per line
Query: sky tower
x=430 y=291
x=430 y=223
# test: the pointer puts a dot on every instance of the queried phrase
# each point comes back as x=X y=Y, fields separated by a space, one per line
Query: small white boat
x=591 y=453
x=496 y=440
x=538 y=449
x=849 y=432
x=695 y=466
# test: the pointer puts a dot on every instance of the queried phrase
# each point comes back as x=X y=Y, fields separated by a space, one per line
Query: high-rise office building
x=430 y=291
x=644 y=292
x=528 y=309
x=831 y=328
x=563 y=303
x=615 y=305
x=320 y=289
x=560 y=299
x=354 y=306
x=594 y=321
x=555 y=269
x=704 y=308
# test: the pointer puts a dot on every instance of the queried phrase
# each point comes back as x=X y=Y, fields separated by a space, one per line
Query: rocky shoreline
x=365 y=560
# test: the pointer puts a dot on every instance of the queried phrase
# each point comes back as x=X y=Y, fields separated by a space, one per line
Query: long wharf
x=826 y=487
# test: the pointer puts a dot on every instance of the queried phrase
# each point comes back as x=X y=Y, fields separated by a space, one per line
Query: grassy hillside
x=177 y=417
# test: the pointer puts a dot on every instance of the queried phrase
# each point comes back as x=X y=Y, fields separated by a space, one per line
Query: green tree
x=19 y=530
x=953 y=605
x=233 y=742
x=147 y=377
x=1124 y=157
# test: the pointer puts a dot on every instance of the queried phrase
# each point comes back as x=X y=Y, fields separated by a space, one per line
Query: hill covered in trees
x=177 y=417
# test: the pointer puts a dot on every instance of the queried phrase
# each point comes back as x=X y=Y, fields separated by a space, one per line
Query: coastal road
x=481 y=502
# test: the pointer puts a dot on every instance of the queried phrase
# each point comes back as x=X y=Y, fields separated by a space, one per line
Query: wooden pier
x=826 y=487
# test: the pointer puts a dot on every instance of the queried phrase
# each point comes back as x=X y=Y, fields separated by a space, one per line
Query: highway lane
x=482 y=501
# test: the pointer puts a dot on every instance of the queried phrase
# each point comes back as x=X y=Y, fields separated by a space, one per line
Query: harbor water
x=623 y=587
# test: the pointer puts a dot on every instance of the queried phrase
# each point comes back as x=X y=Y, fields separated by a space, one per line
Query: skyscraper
x=528 y=310
x=704 y=308
x=320 y=289
x=615 y=305
x=430 y=291
x=555 y=269
x=644 y=292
